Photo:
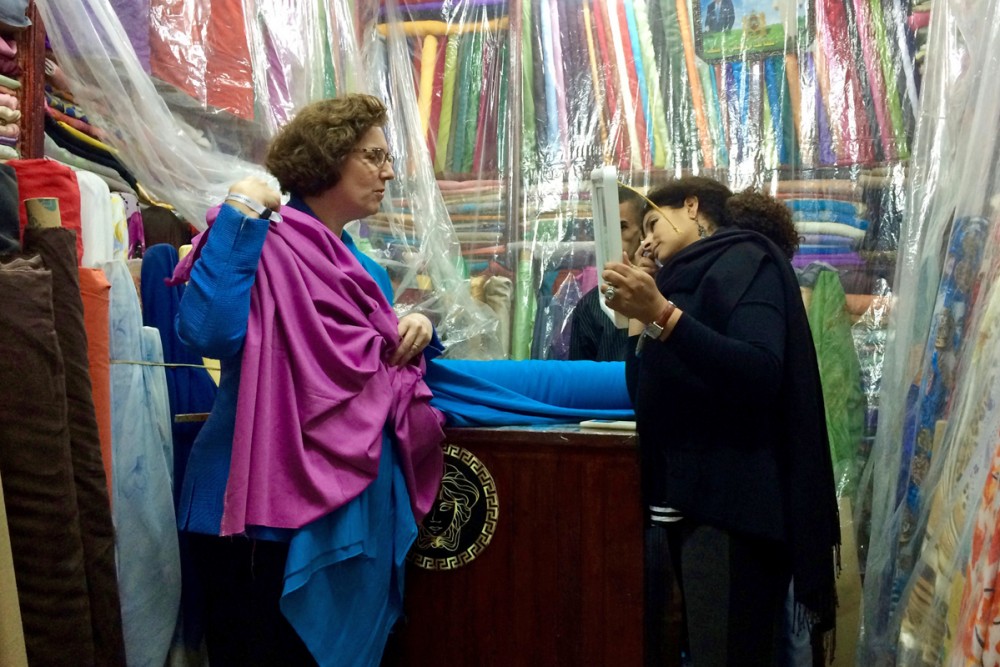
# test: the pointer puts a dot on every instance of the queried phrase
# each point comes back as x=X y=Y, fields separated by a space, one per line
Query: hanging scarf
x=315 y=389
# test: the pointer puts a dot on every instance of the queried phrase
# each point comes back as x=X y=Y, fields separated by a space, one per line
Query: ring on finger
x=609 y=293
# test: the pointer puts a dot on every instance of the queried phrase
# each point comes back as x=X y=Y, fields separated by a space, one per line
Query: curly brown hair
x=306 y=154
x=765 y=215
x=746 y=210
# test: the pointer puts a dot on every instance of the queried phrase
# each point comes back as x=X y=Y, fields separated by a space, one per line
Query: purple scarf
x=316 y=391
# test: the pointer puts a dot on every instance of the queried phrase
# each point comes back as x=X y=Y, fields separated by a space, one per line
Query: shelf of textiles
x=533 y=262
x=849 y=227
x=73 y=140
x=647 y=84
x=15 y=65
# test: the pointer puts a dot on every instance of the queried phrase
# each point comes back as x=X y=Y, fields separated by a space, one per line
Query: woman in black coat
x=729 y=408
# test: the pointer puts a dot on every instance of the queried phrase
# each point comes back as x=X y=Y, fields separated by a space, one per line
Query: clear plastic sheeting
x=172 y=159
x=931 y=567
x=218 y=78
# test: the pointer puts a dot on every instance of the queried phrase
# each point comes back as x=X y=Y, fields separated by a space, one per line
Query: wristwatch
x=655 y=328
x=263 y=212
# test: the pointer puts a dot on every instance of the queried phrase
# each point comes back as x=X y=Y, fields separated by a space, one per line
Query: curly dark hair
x=749 y=209
x=765 y=215
x=306 y=154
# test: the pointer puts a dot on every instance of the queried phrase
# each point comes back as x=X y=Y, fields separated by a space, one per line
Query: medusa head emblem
x=463 y=519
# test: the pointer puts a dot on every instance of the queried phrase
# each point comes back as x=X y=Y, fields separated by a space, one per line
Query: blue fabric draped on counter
x=517 y=393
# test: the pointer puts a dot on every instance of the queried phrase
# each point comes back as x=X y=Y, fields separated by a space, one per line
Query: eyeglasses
x=376 y=156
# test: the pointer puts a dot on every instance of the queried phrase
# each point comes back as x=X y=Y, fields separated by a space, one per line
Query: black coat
x=730 y=410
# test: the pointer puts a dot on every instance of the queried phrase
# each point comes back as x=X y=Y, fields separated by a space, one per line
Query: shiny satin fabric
x=37 y=470
x=57 y=248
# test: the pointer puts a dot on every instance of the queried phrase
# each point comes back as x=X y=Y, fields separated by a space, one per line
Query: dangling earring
x=702 y=232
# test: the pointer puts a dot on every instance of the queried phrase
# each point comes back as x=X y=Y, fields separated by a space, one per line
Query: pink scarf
x=316 y=391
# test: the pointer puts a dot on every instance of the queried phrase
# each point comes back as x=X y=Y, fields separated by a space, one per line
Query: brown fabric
x=57 y=249
x=161 y=225
x=37 y=472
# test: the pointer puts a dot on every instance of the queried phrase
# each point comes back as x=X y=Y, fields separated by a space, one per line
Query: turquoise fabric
x=510 y=393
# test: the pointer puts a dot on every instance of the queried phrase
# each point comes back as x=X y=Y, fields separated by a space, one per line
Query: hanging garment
x=96 y=224
x=148 y=560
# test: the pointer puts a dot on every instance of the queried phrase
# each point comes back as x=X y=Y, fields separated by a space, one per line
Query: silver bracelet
x=262 y=211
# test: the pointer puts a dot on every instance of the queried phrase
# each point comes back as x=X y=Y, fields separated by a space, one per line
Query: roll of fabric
x=428 y=65
x=447 y=103
x=190 y=389
x=626 y=110
x=492 y=393
x=95 y=291
x=560 y=76
x=437 y=92
x=475 y=92
x=37 y=469
x=56 y=248
x=44 y=178
x=644 y=110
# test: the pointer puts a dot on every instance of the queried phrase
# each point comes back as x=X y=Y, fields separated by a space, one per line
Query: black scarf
x=812 y=519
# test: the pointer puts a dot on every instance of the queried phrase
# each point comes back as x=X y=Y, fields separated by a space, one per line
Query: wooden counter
x=560 y=582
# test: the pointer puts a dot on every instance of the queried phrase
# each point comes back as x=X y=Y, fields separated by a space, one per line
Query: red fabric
x=228 y=75
x=616 y=130
x=210 y=63
x=855 y=134
x=95 y=291
x=47 y=178
x=176 y=48
x=485 y=152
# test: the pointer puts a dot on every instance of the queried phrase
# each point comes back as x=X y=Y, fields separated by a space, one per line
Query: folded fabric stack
x=10 y=112
x=831 y=230
x=478 y=213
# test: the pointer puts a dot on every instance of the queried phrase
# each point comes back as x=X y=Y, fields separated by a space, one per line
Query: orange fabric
x=95 y=290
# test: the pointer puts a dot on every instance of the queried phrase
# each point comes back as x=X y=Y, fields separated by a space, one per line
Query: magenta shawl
x=316 y=391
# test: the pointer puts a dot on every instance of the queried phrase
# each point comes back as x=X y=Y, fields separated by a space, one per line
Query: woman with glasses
x=303 y=489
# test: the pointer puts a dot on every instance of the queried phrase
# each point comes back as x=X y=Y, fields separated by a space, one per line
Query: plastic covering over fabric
x=190 y=110
x=500 y=109
x=928 y=596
